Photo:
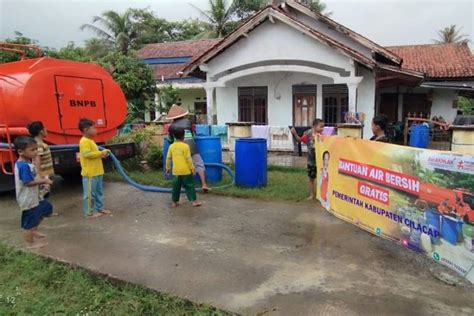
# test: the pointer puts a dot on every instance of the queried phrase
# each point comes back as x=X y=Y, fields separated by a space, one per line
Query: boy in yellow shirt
x=92 y=171
x=183 y=169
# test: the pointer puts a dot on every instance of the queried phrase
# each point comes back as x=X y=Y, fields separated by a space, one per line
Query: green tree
x=69 y=52
x=6 y=56
x=167 y=96
x=97 y=48
x=136 y=80
x=122 y=31
x=243 y=9
x=466 y=105
x=188 y=30
x=316 y=5
x=219 y=18
x=450 y=34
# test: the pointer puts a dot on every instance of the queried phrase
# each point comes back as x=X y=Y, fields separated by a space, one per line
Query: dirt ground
x=244 y=256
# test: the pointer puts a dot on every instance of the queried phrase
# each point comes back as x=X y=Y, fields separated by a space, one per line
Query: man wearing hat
x=180 y=121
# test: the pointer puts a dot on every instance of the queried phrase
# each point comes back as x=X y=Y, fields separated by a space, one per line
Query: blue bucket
x=419 y=136
x=451 y=229
x=251 y=162
x=210 y=149
x=433 y=220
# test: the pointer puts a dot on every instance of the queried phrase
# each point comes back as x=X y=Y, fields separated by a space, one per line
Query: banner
x=421 y=199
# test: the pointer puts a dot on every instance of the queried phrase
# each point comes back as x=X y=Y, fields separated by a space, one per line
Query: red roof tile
x=167 y=71
x=191 y=49
x=438 y=61
x=176 y=49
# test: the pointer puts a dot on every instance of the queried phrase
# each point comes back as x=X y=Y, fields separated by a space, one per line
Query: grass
x=32 y=285
x=284 y=183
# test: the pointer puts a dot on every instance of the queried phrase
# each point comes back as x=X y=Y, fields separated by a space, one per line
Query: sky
x=54 y=23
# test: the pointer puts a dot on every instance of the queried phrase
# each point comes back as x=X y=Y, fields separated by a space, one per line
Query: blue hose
x=126 y=177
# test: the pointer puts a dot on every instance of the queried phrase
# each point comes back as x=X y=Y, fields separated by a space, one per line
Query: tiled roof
x=176 y=49
x=191 y=49
x=438 y=61
x=167 y=71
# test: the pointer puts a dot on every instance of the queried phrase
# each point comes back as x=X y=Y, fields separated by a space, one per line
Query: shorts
x=32 y=218
x=311 y=172
x=198 y=163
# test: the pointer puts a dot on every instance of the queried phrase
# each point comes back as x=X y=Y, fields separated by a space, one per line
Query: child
x=27 y=191
x=308 y=138
x=92 y=171
x=183 y=169
x=379 y=125
x=44 y=160
x=180 y=121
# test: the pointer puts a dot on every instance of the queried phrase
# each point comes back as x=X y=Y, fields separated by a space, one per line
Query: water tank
x=59 y=93
x=251 y=162
x=210 y=149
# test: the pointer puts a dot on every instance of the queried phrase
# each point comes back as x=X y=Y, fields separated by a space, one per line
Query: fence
x=440 y=137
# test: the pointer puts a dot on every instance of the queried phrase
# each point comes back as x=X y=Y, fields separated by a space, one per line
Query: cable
x=130 y=181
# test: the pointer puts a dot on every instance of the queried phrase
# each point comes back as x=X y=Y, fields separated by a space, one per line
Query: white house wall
x=187 y=97
x=276 y=42
x=443 y=104
x=332 y=33
x=366 y=99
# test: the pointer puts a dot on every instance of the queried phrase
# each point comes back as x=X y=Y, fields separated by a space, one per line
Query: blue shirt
x=27 y=197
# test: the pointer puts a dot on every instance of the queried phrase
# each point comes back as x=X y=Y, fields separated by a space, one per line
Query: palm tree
x=120 y=30
x=451 y=34
x=219 y=18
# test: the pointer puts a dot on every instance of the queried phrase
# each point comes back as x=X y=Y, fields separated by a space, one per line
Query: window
x=253 y=104
x=335 y=103
x=200 y=107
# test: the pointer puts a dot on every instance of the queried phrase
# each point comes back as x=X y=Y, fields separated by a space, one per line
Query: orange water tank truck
x=434 y=196
x=58 y=93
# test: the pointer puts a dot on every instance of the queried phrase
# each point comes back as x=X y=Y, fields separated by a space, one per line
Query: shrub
x=154 y=157
x=142 y=137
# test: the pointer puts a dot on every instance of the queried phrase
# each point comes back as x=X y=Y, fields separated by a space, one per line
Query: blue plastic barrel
x=251 y=162
x=433 y=220
x=210 y=149
x=419 y=136
x=451 y=229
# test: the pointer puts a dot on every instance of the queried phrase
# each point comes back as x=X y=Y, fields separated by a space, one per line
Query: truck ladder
x=6 y=151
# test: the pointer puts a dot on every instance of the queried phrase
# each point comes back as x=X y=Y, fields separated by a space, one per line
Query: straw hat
x=176 y=112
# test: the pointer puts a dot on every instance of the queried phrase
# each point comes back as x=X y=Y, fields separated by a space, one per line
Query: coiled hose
x=130 y=181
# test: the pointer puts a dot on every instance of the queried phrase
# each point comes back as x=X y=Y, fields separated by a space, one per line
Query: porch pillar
x=210 y=104
x=319 y=101
x=352 y=87
x=400 y=107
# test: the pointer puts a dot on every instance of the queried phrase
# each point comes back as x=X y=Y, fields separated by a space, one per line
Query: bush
x=154 y=157
x=142 y=137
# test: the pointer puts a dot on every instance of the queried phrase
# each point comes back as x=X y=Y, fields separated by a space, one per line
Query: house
x=287 y=65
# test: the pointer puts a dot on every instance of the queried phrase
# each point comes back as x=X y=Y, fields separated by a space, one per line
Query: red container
x=59 y=93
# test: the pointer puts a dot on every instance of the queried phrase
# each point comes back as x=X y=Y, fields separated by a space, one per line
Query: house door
x=253 y=105
x=389 y=106
x=304 y=105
